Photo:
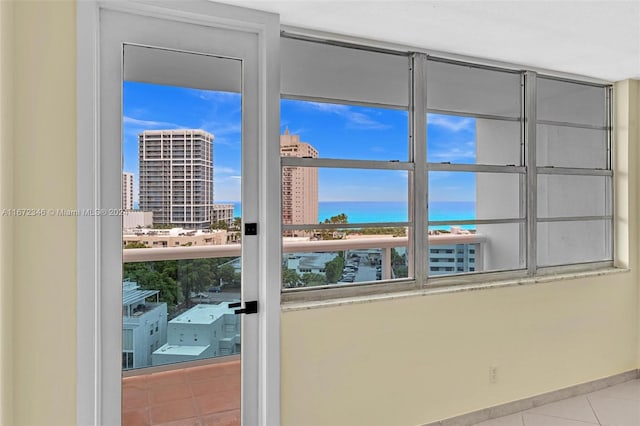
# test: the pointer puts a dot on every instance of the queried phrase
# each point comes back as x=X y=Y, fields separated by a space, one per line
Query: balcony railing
x=385 y=244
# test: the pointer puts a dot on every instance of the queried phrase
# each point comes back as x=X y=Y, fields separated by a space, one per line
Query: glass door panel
x=182 y=177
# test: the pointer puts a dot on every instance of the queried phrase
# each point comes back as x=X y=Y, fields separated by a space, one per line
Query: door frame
x=98 y=396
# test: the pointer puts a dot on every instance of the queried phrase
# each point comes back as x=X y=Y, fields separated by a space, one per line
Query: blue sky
x=336 y=131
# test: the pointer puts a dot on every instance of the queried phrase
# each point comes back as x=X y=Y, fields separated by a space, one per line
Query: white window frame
x=98 y=385
x=418 y=238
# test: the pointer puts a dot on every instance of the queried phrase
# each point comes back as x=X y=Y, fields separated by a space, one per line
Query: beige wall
x=421 y=359
x=42 y=151
x=6 y=225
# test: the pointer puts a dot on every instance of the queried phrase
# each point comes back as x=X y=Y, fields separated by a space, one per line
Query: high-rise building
x=299 y=184
x=176 y=176
x=127 y=191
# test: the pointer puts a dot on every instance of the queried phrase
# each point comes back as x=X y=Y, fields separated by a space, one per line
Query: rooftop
x=203 y=314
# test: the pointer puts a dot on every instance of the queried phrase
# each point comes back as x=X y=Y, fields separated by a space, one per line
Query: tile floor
x=196 y=396
x=614 y=406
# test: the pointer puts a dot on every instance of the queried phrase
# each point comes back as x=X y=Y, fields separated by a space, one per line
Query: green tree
x=311 y=279
x=327 y=234
x=226 y=274
x=340 y=218
x=221 y=224
x=290 y=277
x=398 y=264
x=134 y=244
x=194 y=275
x=154 y=276
x=333 y=269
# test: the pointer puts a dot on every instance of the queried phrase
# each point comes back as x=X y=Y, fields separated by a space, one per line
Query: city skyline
x=372 y=134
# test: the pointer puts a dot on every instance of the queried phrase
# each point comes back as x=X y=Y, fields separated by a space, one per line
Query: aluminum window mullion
x=574 y=125
x=345 y=164
x=486 y=168
x=472 y=65
x=339 y=101
x=551 y=170
x=477 y=221
x=532 y=177
x=522 y=181
x=611 y=187
x=418 y=132
x=573 y=218
x=333 y=226
x=472 y=114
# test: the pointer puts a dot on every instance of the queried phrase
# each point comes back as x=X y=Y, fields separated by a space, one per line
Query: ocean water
x=386 y=211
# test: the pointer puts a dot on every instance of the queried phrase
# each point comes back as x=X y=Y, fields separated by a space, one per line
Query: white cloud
x=148 y=123
x=453 y=153
x=362 y=121
x=451 y=123
x=210 y=95
x=355 y=120
x=221 y=130
x=223 y=170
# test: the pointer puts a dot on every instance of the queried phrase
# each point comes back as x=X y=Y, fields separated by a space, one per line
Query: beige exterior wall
x=301 y=205
x=212 y=239
x=42 y=360
x=404 y=361
x=7 y=40
x=416 y=360
x=127 y=191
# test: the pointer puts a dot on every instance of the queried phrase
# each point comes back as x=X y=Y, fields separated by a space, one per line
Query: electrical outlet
x=493 y=374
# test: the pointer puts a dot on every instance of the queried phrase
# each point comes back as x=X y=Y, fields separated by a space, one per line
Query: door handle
x=250 y=307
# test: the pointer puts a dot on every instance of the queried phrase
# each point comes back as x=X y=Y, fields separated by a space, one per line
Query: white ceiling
x=599 y=39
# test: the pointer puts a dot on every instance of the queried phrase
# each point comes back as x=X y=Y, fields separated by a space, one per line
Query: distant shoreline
x=383 y=211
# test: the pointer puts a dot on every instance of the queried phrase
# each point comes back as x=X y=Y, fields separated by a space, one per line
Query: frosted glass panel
x=473 y=195
x=172 y=68
x=562 y=243
x=571 y=147
x=472 y=90
x=568 y=195
x=325 y=71
x=571 y=102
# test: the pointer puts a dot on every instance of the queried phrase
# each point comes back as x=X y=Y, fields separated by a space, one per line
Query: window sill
x=289 y=306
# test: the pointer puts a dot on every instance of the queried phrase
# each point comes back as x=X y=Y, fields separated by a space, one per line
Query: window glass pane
x=474 y=195
x=185 y=315
x=475 y=248
x=345 y=256
x=469 y=140
x=466 y=89
x=571 y=147
x=320 y=70
x=344 y=131
x=182 y=170
x=570 y=195
x=570 y=102
x=343 y=195
x=562 y=243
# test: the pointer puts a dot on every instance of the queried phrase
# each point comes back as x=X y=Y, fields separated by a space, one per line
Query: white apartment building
x=127 y=191
x=222 y=212
x=133 y=219
x=176 y=176
x=144 y=325
x=175 y=237
x=203 y=331
x=299 y=184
